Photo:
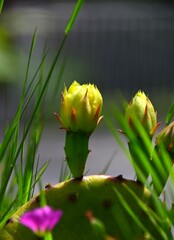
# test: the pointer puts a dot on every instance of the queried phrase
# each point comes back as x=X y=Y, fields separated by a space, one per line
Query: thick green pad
x=100 y=194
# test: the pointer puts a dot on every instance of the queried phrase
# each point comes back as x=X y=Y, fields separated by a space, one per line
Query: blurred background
x=121 y=46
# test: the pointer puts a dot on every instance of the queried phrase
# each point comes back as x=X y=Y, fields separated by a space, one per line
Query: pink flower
x=41 y=220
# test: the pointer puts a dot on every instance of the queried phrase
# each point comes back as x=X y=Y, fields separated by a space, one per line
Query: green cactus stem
x=76 y=150
x=106 y=197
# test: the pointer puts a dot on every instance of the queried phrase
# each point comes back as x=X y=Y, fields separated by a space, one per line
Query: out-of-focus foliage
x=9 y=62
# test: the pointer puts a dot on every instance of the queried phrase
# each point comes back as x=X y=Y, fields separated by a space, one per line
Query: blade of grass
x=108 y=163
x=40 y=173
x=64 y=172
x=8 y=212
x=33 y=141
x=116 y=134
x=29 y=125
x=8 y=165
x=20 y=111
x=13 y=127
x=33 y=42
x=131 y=213
x=57 y=85
x=156 y=169
x=39 y=69
x=170 y=114
x=28 y=173
x=34 y=177
x=73 y=16
x=155 y=219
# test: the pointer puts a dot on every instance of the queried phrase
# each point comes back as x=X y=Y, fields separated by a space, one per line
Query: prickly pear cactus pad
x=103 y=195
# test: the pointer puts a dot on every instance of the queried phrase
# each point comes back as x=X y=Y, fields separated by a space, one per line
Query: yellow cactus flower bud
x=141 y=109
x=80 y=108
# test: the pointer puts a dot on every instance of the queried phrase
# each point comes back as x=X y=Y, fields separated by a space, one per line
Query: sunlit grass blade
x=13 y=128
x=157 y=221
x=8 y=164
x=8 y=212
x=28 y=88
x=60 y=75
x=9 y=133
x=117 y=136
x=165 y=160
x=143 y=151
x=39 y=174
x=30 y=121
x=170 y=113
x=33 y=42
x=127 y=228
x=73 y=16
x=64 y=172
x=19 y=150
x=129 y=134
x=108 y=163
x=29 y=165
x=33 y=142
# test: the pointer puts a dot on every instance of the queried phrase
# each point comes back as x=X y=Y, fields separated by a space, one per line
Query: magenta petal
x=41 y=219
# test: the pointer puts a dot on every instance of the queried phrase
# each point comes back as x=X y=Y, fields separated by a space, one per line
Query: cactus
x=141 y=119
x=99 y=194
x=80 y=113
x=95 y=207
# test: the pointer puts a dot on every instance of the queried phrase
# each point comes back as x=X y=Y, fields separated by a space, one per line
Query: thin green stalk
x=34 y=77
x=155 y=168
x=39 y=173
x=32 y=117
x=73 y=16
x=131 y=213
x=157 y=222
x=57 y=85
x=11 y=148
x=170 y=113
x=48 y=236
x=18 y=115
x=33 y=42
